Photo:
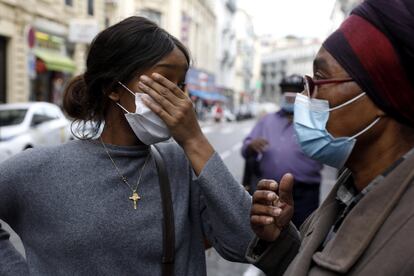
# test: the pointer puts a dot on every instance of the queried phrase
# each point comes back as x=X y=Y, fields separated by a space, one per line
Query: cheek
x=351 y=119
x=128 y=101
x=339 y=124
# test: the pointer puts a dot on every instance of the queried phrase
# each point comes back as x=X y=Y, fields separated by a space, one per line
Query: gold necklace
x=135 y=197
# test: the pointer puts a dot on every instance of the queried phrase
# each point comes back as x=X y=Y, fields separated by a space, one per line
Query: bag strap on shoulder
x=168 y=228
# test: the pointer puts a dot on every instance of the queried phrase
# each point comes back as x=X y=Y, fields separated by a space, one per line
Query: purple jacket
x=283 y=154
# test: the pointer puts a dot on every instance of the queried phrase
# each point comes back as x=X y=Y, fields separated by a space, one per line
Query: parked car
x=28 y=125
x=244 y=112
x=228 y=115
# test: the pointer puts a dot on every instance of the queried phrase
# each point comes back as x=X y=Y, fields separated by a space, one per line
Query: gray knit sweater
x=72 y=212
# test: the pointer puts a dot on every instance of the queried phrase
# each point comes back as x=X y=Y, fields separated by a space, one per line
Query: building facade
x=247 y=56
x=191 y=21
x=341 y=10
x=288 y=56
x=226 y=51
x=37 y=55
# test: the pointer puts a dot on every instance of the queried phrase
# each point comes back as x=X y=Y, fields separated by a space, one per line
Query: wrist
x=198 y=150
x=197 y=144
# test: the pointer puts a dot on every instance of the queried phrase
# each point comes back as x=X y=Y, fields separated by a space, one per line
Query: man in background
x=273 y=145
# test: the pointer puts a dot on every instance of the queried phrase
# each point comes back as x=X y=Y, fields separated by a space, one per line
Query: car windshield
x=9 y=117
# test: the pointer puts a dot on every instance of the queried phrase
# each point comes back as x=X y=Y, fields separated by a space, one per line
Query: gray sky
x=304 y=18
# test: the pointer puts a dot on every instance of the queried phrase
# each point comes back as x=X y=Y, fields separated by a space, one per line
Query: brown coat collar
x=363 y=222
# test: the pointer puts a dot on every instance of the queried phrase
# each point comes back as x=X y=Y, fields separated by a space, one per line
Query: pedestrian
x=94 y=206
x=357 y=112
x=275 y=151
x=217 y=112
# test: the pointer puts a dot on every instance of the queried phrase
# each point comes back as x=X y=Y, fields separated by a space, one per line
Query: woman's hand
x=175 y=108
x=271 y=213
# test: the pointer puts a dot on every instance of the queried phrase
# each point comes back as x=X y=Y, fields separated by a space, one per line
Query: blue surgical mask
x=287 y=102
x=310 y=119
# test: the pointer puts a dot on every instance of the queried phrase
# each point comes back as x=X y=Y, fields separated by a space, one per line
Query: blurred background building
x=284 y=57
x=341 y=10
x=43 y=44
x=246 y=63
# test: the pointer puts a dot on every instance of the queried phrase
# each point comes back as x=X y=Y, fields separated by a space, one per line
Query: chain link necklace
x=135 y=197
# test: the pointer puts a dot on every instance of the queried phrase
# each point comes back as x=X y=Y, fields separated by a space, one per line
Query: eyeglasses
x=310 y=83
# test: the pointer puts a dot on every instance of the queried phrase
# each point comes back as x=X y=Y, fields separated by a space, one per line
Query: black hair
x=118 y=53
x=292 y=83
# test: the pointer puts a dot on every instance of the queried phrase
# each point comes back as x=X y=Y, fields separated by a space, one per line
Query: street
x=227 y=140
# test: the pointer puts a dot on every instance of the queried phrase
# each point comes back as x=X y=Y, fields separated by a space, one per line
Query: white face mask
x=147 y=126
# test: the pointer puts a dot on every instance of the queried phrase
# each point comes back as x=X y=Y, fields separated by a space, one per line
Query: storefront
x=3 y=60
x=53 y=68
x=203 y=91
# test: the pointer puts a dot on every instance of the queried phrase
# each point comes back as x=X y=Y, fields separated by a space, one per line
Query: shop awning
x=55 y=61
x=213 y=96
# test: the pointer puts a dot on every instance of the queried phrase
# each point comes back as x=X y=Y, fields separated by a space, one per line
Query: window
x=2 y=69
x=10 y=117
x=152 y=15
x=90 y=7
x=69 y=3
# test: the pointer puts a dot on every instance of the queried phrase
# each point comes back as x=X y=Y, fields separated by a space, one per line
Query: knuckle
x=179 y=116
x=161 y=100
x=174 y=122
x=157 y=110
x=254 y=219
x=164 y=92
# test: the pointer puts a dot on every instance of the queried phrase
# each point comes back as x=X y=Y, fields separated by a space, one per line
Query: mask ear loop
x=348 y=102
x=129 y=90
x=124 y=86
x=123 y=108
x=365 y=129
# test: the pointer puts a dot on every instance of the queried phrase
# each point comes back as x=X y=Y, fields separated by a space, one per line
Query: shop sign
x=31 y=64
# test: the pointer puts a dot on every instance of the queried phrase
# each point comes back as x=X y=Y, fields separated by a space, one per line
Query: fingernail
x=271 y=196
x=273 y=185
x=140 y=84
x=156 y=75
x=269 y=220
x=144 y=78
x=277 y=212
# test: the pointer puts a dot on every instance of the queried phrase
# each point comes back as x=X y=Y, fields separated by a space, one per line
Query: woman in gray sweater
x=93 y=206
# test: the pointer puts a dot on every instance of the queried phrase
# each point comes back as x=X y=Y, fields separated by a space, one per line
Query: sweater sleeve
x=11 y=261
x=224 y=210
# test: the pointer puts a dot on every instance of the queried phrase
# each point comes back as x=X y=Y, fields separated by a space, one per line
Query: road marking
x=227 y=130
x=207 y=129
x=231 y=151
x=247 y=130
x=237 y=146
x=225 y=154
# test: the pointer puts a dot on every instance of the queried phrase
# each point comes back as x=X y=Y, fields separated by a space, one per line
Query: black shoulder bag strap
x=168 y=228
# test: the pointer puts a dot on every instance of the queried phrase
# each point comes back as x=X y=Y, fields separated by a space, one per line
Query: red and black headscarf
x=375 y=45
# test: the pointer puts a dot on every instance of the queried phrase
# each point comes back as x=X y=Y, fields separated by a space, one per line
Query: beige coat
x=376 y=237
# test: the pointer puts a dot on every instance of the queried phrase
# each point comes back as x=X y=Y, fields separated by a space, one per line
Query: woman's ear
x=114 y=95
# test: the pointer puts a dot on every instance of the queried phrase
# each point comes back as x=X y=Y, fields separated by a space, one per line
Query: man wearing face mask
x=275 y=151
x=357 y=114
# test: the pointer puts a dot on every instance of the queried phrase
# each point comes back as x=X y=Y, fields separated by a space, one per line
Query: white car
x=27 y=125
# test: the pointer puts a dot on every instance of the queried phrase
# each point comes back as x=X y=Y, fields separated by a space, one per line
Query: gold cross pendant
x=135 y=197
